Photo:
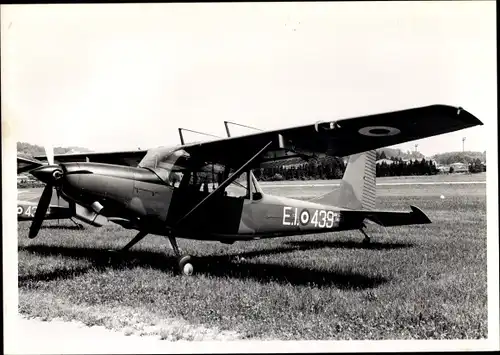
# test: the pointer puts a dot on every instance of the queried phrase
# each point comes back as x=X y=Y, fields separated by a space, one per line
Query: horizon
x=112 y=77
x=378 y=149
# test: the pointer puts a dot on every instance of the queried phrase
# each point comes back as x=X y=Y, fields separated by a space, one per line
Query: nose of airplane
x=48 y=173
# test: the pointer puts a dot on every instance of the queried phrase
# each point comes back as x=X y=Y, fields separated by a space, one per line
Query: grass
x=414 y=282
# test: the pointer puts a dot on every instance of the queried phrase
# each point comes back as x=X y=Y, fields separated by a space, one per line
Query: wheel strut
x=185 y=262
x=80 y=226
x=367 y=238
x=140 y=236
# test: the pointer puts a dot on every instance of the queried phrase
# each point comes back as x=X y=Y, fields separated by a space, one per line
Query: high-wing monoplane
x=207 y=190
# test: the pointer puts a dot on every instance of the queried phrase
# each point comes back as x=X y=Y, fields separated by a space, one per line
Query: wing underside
x=126 y=158
x=25 y=164
x=342 y=137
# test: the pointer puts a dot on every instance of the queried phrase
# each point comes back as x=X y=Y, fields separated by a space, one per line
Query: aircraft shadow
x=218 y=266
x=52 y=275
x=73 y=227
x=314 y=244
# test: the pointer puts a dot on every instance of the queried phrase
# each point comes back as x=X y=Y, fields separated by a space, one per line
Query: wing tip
x=463 y=115
x=469 y=118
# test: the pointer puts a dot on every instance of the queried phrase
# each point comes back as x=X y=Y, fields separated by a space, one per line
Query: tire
x=185 y=266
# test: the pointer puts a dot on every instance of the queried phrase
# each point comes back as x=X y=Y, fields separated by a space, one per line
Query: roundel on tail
x=379 y=131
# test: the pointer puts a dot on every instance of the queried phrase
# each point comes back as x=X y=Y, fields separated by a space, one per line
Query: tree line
x=466 y=157
x=398 y=167
x=323 y=169
x=333 y=168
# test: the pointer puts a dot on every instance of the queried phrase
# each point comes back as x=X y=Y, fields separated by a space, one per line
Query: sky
x=126 y=76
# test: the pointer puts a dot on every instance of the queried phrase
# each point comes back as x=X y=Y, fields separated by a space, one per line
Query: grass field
x=414 y=282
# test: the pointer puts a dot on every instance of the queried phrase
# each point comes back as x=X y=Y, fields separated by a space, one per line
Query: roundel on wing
x=379 y=131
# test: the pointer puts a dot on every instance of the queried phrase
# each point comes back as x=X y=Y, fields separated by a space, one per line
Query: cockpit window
x=169 y=164
x=174 y=167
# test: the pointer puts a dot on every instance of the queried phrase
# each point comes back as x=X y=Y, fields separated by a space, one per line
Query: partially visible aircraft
x=166 y=190
x=58 y=209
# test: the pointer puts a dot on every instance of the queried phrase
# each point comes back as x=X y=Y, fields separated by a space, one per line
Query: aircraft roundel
x=379 y=131
x=304 y=217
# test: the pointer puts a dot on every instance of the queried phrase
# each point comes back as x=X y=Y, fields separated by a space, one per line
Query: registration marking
x=30 y=210
x=319 y=218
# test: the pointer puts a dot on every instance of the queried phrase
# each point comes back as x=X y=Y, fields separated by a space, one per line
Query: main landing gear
x=185 y=262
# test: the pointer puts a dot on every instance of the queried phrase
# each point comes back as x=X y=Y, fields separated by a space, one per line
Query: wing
x=25 y=163
x=128 y=158
x=337 y=138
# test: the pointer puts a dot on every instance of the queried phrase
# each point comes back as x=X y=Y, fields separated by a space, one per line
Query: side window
x=239 y=187
x=176 y=178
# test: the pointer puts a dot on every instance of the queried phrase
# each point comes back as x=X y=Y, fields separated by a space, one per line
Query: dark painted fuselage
x=148 y=203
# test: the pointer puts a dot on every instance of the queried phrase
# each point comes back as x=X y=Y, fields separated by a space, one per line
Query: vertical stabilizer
x=358 y=187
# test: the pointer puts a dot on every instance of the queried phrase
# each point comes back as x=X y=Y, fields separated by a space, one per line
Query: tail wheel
x=186 y=266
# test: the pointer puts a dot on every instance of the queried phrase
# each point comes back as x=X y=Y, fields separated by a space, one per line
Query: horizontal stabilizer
x=391 y=218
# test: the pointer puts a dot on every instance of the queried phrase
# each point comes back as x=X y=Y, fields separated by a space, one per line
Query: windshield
x=166 y=162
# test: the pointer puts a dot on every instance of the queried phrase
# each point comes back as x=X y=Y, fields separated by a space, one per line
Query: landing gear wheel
x=186 y=266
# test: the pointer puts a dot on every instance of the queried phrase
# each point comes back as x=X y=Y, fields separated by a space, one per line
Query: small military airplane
x=165 y=190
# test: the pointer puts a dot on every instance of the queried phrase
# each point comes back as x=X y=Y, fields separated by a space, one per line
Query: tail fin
x=358 y=187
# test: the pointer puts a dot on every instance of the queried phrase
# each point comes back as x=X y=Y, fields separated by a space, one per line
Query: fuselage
x=146 y=202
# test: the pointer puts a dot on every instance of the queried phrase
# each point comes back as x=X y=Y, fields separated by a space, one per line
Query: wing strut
x=237 y=124
x=226 y=182
x=190 y=130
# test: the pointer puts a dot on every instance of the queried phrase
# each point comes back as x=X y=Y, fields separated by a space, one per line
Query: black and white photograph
x=250 y=177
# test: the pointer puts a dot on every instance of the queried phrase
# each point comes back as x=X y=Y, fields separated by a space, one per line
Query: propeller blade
x=41 y=210
x=49 y=152
x=58 y=202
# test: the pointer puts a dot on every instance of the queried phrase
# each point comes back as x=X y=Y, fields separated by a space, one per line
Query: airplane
x=166 y=190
